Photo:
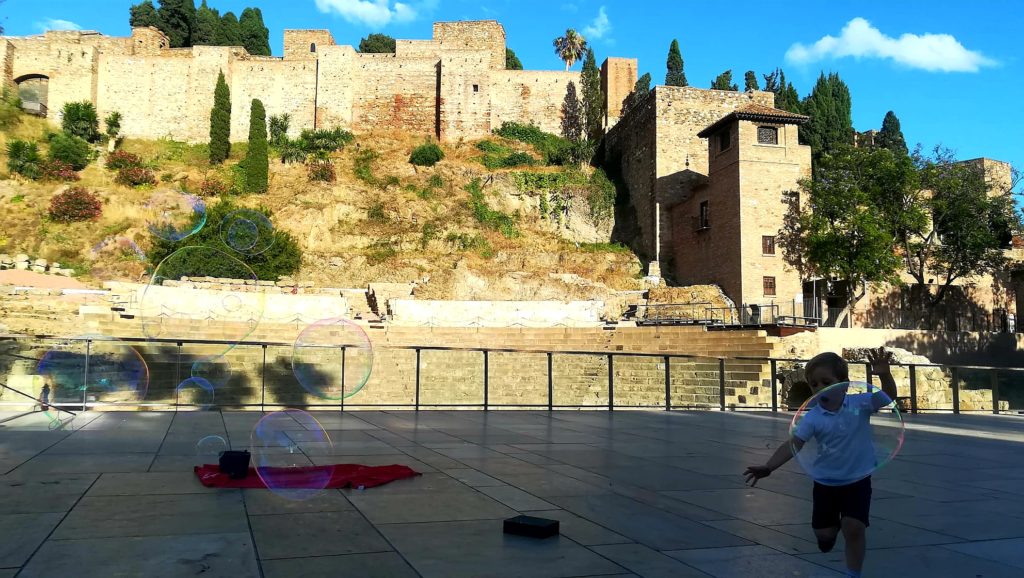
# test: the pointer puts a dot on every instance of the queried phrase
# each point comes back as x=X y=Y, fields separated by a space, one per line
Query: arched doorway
x=34 y=91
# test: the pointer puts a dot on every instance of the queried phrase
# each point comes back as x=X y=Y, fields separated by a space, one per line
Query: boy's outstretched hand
x=880 y=360
x=755 y=473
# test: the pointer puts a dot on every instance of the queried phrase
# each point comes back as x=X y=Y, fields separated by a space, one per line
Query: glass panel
x=451 y=378
x=694 y=383
x=518 y=379
x=639 y=381
x=580 y=380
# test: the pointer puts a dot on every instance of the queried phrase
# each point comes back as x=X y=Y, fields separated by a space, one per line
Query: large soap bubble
x=850 y=430
x=247 y=231
x=174 y=215
x=195 y=391
x=332 y=358
x=93 y=369
x=285 y=441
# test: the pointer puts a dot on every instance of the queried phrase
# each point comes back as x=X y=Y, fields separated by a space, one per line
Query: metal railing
x=705 y=314
x=566 y=379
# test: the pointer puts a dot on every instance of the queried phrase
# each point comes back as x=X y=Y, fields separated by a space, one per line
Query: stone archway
x=34 y=90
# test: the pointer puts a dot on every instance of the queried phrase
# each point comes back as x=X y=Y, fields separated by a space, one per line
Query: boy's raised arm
x=880 y=360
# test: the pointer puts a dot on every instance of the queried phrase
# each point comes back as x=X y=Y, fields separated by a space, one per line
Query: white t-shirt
x=846 y=452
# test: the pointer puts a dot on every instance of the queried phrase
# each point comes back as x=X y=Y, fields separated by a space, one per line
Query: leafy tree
x=831 y=125
x=511 y=60
x=255 y=35
x=230 y=31
x=220 y=122
x=143 y=14
x=593 y=98
x=178 y=21
x=839 y=233
x=724 y=82
x=572 y=114
x=23 y=158
x=113 y=124
x=283 y=257
x=80 y=120
x=891 y=137
x=378 y=43
x=257 y=160
x=279 y=128
x=640 y=91
x=750 y=81
x=207 y=31
x=675 y=75
x=570 y=47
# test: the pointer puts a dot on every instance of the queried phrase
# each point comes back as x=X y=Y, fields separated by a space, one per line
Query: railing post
x=867 y=374
x=177 y=377
x=668 y=384
x=775 y=386
x=551 y=384
x=486 y=383
x=913 y=388
x=721 y=384
x=417 y=379
x=85 y=373
x=343 y=348
x=263 y=380
x=995 y=391
x=611 y=382
x=956 y=389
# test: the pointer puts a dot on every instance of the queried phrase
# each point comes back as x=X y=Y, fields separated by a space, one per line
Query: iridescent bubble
x=247 y=231
x=93 y=370
x=121 y=247
x=332 y=358
x=283 y=441
x=174 y=215
x=210 y=447
x=850 y=430
x=195 y=391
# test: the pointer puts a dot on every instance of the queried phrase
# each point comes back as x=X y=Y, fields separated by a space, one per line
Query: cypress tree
x=572 y=114
x=511 y=60
x=675 y=75
x=220 y=122
x=178 y=21
x=207 y=30
x=593 y=98
x=891 y=136
x=255 y=35
x=257 y=159
x=640 y=91
x=831 y=124
x=230 y=31
x=750 y=81
x=724 y=82
x=143 y=14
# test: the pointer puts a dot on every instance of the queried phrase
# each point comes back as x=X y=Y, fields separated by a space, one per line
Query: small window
x=476 y=88
x=769 y=286
x=768 y=245
x=767 y=135
x=724 y=140
x=312 y=47
x=704 y=222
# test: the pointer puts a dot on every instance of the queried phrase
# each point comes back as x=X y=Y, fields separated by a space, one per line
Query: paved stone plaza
x=637 y=494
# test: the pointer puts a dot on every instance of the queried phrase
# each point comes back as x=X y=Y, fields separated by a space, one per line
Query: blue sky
x=951 y=74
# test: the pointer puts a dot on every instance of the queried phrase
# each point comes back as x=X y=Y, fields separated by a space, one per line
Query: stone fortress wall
x=452 y=86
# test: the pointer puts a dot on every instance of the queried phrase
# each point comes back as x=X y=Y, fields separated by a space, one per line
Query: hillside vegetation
x=516 y=230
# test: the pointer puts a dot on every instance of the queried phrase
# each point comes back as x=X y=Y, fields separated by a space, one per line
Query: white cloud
x=377 y=13
x=859 y=39
x=599 y=28
x=54 y=24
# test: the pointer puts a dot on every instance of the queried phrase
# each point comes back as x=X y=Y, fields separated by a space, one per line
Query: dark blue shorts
x=833 y=503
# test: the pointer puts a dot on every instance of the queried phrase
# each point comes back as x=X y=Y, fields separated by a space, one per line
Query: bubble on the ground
x=173 y=215
x=166 y=307
x=247 y=231
x=89 y=370
x=210 y=447
x=332 y=358
x=851 y=429
x=283 y=441
x=195 y=391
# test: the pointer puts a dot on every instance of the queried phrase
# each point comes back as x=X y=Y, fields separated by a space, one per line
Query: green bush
x=71 y=150
x=118 y=160
x=75 y=204
x=363 y=166
x=426 y=155
x=325 y=139
x=601 y=197
x=10 y=108
x=528 y=182
x=554 y=149
x=465 y=242
x=381 y=252
x=518 y=159
x=113 y=124
x=491 y=147
x=279 y=128
x=435 y=181
x=23 y=159
x=430 y=231
x=376 y=213
x=487 y=216
x=56 y=170
x=284 y=257
x=80 y=120
x=320 y=170
x=135 y=177
x=257 y=161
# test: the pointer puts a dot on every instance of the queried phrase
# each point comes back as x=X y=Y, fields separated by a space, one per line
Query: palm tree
x=570 y=47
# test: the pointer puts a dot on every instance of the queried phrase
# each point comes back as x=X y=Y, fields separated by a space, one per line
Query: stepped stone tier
x=452 y=86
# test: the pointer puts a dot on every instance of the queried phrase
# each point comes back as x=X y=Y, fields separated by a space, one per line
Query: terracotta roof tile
x=755 y=112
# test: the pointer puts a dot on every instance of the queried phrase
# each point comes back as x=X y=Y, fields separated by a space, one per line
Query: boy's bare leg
x=855 y=538
x=826 y=536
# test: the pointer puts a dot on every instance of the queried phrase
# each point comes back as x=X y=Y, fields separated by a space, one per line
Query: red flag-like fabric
x=312 y=477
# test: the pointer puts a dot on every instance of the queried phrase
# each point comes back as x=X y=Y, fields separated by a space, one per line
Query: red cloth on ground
x=342 y=476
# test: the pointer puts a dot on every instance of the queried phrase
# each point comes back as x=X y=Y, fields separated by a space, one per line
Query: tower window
x=312 y=47
x=769 y=286
x=768 y=245
x=703 y=221
x=476 y=88
x=767 y=135
x=724 y=140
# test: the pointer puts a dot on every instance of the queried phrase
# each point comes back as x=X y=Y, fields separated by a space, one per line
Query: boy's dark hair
x=830 y=360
